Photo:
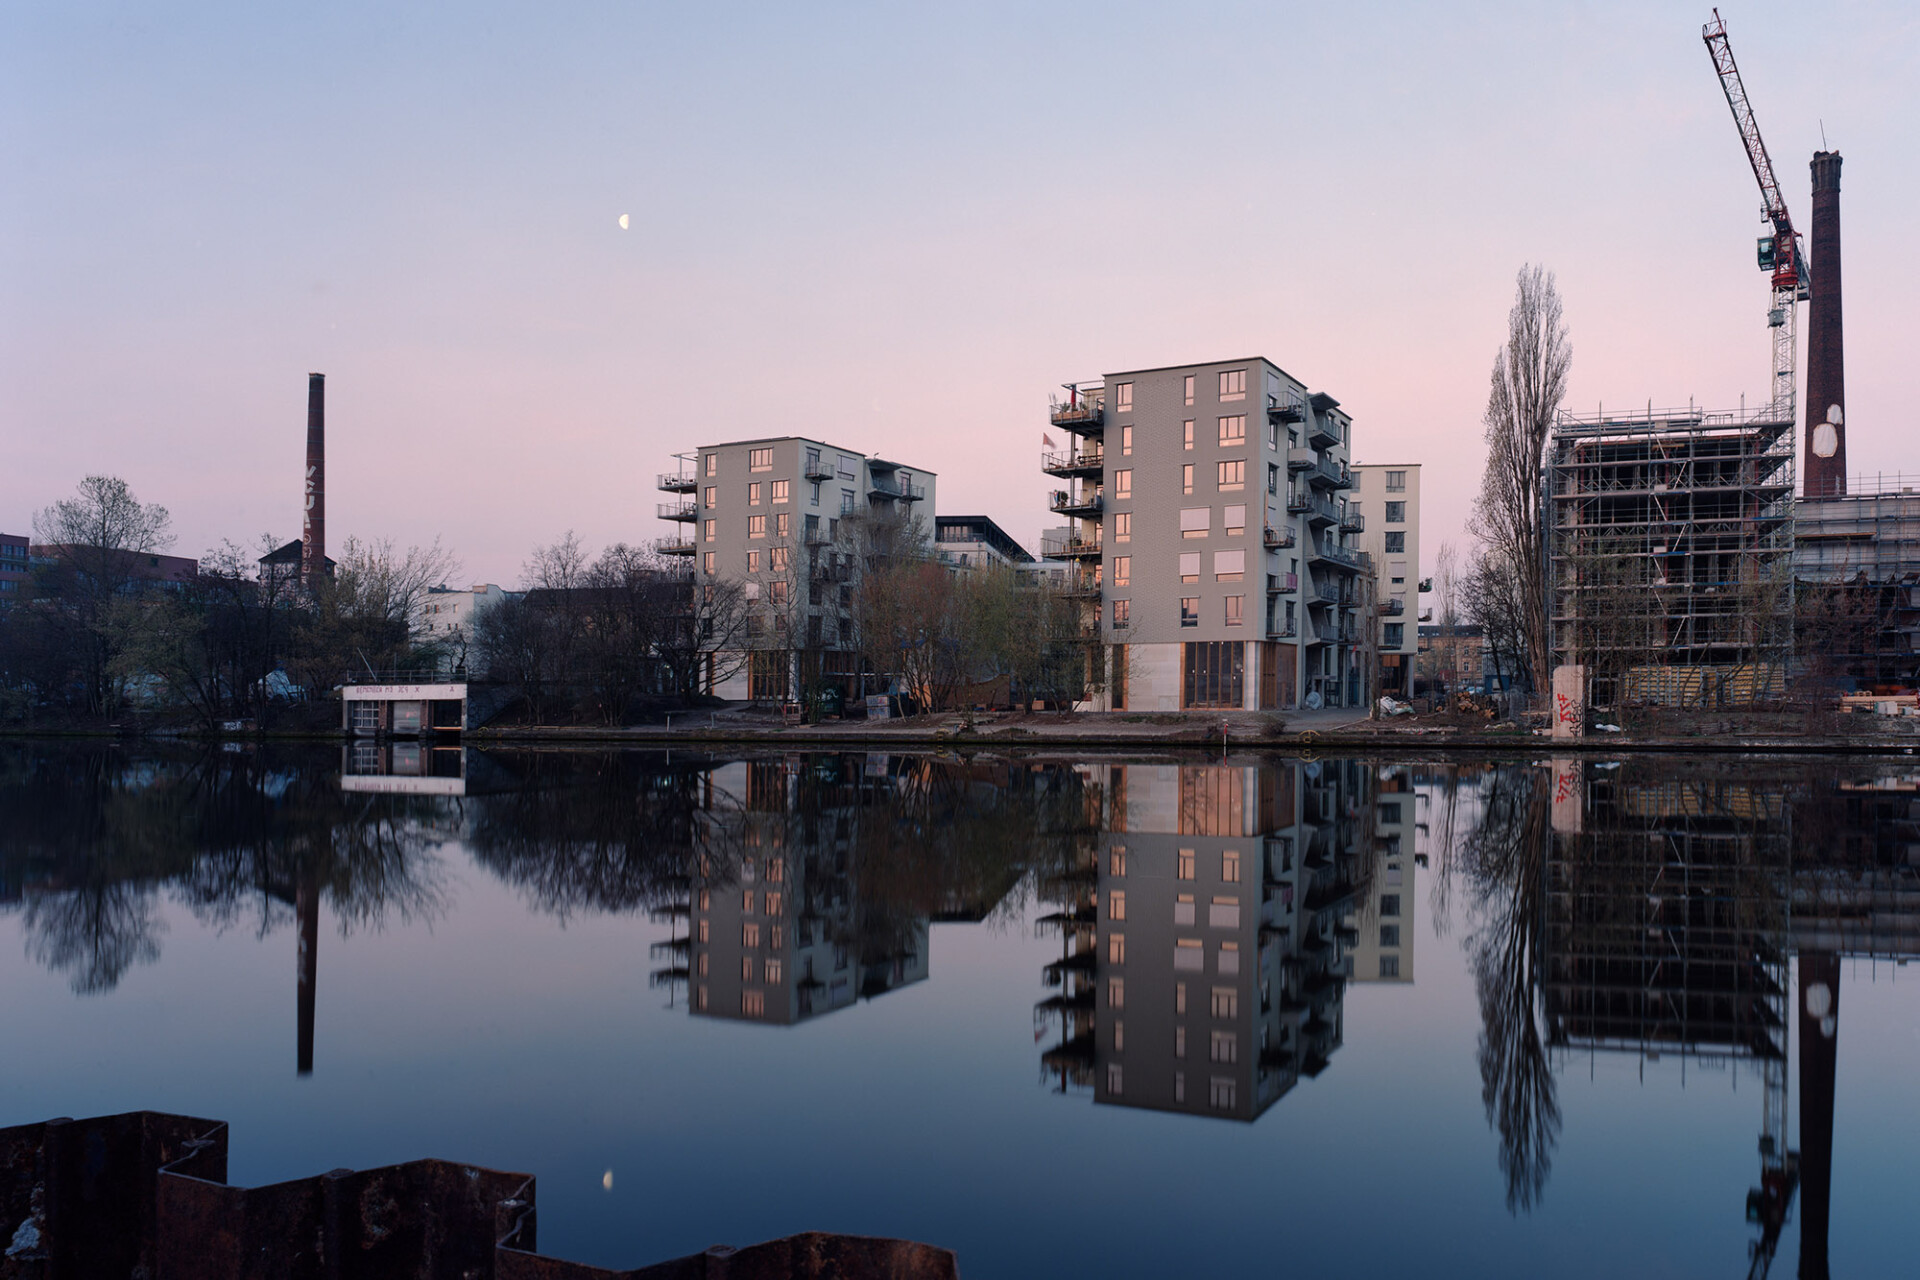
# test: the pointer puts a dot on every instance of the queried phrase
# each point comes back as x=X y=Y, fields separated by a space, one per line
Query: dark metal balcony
x=1283 y=629
x=678 y=484
x=1278 y=583
x=1322 y=431
x=674 y=546
x=1328 y=474
x=1297 y=503
x=1068 y=466
x=1393 y=608
x=678 y=510
x=896 y=493
x=1352 y=521
x=1275 y=539
x=1302 y=460
x=817 y=470
x=1070 y=549
x=1320 y=510
x=1083 y=418
x=1285 y=410
x=1067 y=503
x=1083 y=585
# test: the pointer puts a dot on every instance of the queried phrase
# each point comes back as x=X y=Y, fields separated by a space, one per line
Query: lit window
x=712 y=495
x=753 y=494
x=710 y=531
x=1233 y=384
x=760 y=459
x=1233 y=429
x=713 y=464
x=1223 y=1046
x=707 y=563
x=1183 y=910
x=1186 y=433
x=749 y=935
x=1126 y=442
x=1226 y=1002
x=1122 y=525
x=777 y=591
x=1232 y=474
x=700 y=965
x=774 y=904
x=1122 y=612
x=1186 y=478
x=1119 y=1036
x=753 y=1004
x=1230 y=866
x=1123 y=484
x=1235 y=610
x=1180 y=997
x=1190 y=566
x=782 y=490
x=1229 y=958
x=746 y=968
x=1122 y=571
x=777 y=936
x=700 y=999
x=1184 y=864
x=1189 y=389
x=746 y=902
x=1229 y=566
x=1117 y=905
x=1116 y=948
x=783 y=524
x=753 y=562
x=756 y=526
x=1123 y=397
x=1116 y=993
x=778 y=559
x=1117 y=862
x=776 y=970
x=1189 y=956
x=703 y=929
x=1223 y=913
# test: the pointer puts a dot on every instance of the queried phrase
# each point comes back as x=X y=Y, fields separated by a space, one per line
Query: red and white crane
x=1780 y=253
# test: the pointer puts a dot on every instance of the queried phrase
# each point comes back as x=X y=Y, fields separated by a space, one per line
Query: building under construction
x=1670 y=539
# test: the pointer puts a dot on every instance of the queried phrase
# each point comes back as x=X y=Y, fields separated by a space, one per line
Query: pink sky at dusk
x=896 y=227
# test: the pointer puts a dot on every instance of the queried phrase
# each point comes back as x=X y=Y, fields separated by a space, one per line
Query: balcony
x=1352 y=521
x=1323 y=593
x=1328 y=474
x=1393 y=608
x=677 y=510
x=1279 y=582
x=674 y=546
x=677 y=484
x=1070 y=549
x=1072 y=465
x=1302 y=460
x=1297 y=503
x=1285 y=410
x=1282 y=629
x=1320 y=510
x=1085 y=585
x=877 y=492
x=1082 y=417
x=1085 y=505
x=1277 y=539
x=1323 y=432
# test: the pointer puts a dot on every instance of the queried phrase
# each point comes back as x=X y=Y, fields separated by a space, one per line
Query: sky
x=898 y=227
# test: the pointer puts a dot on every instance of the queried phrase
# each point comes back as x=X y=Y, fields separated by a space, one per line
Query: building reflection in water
x=1208 y=916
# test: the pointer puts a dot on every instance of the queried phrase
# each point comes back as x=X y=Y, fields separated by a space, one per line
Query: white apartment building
x=1388 y=494
x=1214 y=539
x=976 y=542
x=445 y=618
x=781 y=516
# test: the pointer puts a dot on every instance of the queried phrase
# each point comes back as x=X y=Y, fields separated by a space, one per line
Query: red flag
x=1048 y=440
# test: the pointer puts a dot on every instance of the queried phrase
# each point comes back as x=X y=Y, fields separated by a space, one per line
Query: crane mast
x=1780 y=253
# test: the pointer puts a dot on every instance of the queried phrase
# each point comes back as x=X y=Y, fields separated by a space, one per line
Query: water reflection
x=1211 y=919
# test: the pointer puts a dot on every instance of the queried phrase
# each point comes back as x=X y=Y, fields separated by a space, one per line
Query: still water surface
x=1127 y=1017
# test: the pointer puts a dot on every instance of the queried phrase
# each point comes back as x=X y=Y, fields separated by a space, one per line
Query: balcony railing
x=1393 y=608
x=674 y=546
x=1323 y=432
x=1328 y=474
x=677 y=510
x=1067 y=503
x=897 y=493
x=1074 y=463
x=1334 y=552
x=1302 y=460
x=1297 y=503
x=817 y=470
x=1278 y=582
x=1319 y=508
x=677 y=483
x=1068 y=548
x=1285 y=409
x=1082 y=584
x=1352 y=522
x=1081 y=417
x=1278 y=538
x=1282 y=629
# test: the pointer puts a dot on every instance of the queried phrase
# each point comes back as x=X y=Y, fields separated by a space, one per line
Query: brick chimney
x=313 y=525
x=1826 y=439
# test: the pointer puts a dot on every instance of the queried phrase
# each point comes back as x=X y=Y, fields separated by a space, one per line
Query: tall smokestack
x=1826 y=473
x=313 y=528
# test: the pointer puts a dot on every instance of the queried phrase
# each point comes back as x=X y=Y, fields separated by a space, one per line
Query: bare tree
x=1529 y=382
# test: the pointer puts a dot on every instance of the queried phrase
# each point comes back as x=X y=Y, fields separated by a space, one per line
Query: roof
x=1204 y=364
x=994 y=536
x=873 y=459
x=292 y=553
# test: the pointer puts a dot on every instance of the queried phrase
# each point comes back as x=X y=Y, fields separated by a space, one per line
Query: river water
x=1118 y=1016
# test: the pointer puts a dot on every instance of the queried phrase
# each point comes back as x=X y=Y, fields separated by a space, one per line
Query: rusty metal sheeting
x=145 y=1193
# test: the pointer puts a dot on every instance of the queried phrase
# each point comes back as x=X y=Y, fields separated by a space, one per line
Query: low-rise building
x=446 y=616
x=976 y=542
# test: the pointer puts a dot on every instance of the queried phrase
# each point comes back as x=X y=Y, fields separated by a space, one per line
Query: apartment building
x=446 y=615
x=1383 y=925
x=977 y=542
x=15 y=571
x=1212 y=538
x=785 y=517
x=1388 y=495
x=1203 y=956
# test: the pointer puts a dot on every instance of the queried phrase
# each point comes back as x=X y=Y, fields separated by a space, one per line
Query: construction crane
x=1780 y=253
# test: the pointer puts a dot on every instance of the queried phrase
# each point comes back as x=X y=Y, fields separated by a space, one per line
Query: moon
x=606 y=1180
x=623 y=222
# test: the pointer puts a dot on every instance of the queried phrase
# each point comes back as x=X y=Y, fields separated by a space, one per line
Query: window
x=776 y=871
x=713 y=464
x=1230 y=866
x=1235 y=519
x=1273 y=478
x=1189 y=611
x=1123 y=397
x=783 y=524
x=710 y=530
x=1179 y=1042
x=1226 y=1002
x=1184 y=865
x=1123 y=484
x=1396 y=635
x=1179 y=1086
x=1223 y=1046
x=1119 y=1036
x=1122 y=525
x=1122 y=571
x=779 y=559
x=1195 y=521
x=753 y=562
x=1390 y=906
x=1229 y=958
x=1233 y=475
x=1126 y=442
x=756 y=526
x=1389 y=966
x=1117 y=905
x=703 y=930
x=774 y=905
x=712 y=495
x=777 y=591
x=1190 y=566
x=707 y=561
x=1180 y=995
x=846 y=502
x=1223 y=913
x=1116 y=948
x=1389 y=935
x=1214 y=673
x=1186 y=478
x=746 y=968
x=1396 y=482
x=1189 y=956
x=1233 y=384
x=1188 y=389
x=1183 y=910
x=776 y=969
x=1233 y=429
x=782 y=490
x=1113 y=1078
x=1397 y=542
x=1117 y=862
x=702 y=965
x=1122 y=613
x=1235 y=610
x=1116 y=993
x=750 y=935
x=753 y=1004
x=813 y=499
x=760 y=459
x=1186 y=434
x=753 y=494
x=1396 y=513
x=1220 y=1093
x=1229 y=566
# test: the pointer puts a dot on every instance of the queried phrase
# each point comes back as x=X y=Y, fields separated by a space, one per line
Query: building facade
x=785 y=517
x=15 y=571
x=446 y=617
x=1212 y=538
x=1856 y=562
x=1388 y=495
x=976 y=542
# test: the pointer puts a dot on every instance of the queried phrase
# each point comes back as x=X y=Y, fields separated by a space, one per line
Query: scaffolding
x=1670 y=540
